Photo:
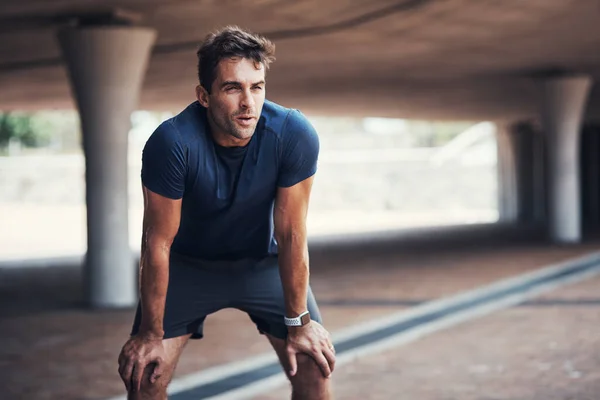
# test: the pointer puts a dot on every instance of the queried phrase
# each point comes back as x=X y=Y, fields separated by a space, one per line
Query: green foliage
x=19 y=126
x=39 y=129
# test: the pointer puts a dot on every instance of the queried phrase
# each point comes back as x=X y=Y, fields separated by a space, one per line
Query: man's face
x=237 y=97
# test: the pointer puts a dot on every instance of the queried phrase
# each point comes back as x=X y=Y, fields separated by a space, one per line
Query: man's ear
x=202 y=96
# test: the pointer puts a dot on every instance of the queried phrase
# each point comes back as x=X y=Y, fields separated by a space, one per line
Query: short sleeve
x=300 y=150
x=164 y=162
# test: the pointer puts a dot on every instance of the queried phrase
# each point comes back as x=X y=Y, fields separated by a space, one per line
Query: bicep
x=299 y=151
x=291 y=207
x=164 y=163
x=162 y=216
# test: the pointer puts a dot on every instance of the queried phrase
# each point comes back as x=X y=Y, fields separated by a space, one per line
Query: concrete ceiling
x=438 y=59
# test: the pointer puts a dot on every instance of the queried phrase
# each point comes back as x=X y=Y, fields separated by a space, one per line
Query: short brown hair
x=231 y=41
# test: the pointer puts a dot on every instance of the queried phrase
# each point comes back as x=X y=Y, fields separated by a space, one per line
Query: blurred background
x=375 y=174
x=460 y=145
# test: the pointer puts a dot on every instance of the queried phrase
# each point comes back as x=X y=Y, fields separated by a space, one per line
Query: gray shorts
x=199 y=288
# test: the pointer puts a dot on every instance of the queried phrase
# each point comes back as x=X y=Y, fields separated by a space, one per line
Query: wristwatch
x=300 y=320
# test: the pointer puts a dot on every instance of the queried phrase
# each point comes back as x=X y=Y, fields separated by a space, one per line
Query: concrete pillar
x=563 y=103
x=106 y=66
x=508 y=206
x=520 y=173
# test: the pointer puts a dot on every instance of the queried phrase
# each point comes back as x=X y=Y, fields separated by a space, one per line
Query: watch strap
x=300 y=320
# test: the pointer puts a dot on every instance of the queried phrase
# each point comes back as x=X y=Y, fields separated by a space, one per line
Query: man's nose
x=247 y=100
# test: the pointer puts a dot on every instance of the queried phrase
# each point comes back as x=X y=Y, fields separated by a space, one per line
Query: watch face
x=305 y=319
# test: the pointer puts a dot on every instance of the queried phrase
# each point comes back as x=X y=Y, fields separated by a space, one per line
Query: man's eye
x=231 y=88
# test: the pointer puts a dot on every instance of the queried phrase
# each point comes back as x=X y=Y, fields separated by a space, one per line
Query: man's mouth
x=245 y=119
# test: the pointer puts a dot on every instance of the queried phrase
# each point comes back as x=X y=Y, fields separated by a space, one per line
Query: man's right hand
x=137 y=353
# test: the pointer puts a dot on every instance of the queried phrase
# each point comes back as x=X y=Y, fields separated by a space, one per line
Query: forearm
x=294 y=270
x=154 y=278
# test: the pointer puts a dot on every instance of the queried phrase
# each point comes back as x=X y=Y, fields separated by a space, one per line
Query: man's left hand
x=311 y=339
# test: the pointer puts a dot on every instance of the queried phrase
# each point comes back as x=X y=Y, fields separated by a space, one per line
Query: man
x=226 y=190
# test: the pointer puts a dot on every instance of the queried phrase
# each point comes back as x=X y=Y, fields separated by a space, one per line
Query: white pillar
x=508 y=188
x=563 y=105
x=106 y=66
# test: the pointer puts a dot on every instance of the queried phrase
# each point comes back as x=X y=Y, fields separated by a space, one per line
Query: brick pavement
x=525 y=352
x=53 y=349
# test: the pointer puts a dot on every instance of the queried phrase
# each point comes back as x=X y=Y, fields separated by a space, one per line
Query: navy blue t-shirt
x=228 y=193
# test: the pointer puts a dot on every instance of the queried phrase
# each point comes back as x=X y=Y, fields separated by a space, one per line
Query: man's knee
x=158 y=389
x=152 y=390
x=309 y=383
x=308 y=370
